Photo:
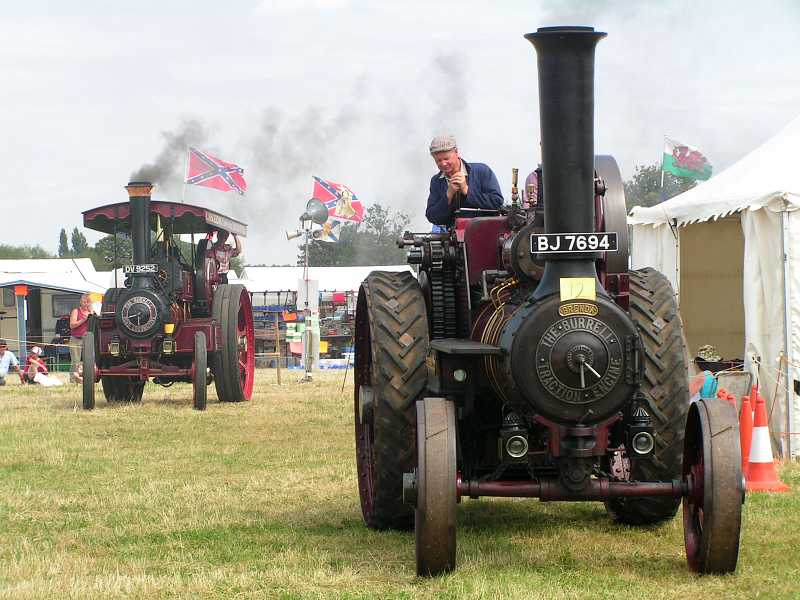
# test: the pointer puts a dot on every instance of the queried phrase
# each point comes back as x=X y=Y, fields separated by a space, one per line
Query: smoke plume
x=170 y=159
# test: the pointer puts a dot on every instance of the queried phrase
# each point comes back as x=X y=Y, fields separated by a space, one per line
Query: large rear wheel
x=666 y=389
x=391 y=344
x=234 y=362
x=712 y=470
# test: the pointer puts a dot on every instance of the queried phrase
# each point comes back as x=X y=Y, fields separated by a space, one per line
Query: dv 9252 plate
x=147 y=268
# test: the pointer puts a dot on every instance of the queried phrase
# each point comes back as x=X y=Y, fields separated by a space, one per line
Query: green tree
x=371 y=242
x=15 y=252
x=644 y=188
x=103 y=253
x=63 y=244
x=80 y=247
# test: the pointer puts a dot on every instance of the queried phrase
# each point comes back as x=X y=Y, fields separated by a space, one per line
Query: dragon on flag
x=342 y=203
x=685 y=161
x=209 y=171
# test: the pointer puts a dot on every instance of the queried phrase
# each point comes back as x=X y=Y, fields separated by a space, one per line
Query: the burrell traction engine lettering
x=559 y=375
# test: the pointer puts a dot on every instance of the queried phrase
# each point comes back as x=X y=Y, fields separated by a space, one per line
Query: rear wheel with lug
x=122 y=389
x=435 y=516
x=233 y=363
x=712 y=508
x=391 y=343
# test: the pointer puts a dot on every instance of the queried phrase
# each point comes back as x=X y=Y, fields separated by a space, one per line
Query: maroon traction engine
x=174 y=320
x=526 y=360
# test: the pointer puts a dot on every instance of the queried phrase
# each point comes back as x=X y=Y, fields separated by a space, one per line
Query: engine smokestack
x=139 y=195
x=565 y=58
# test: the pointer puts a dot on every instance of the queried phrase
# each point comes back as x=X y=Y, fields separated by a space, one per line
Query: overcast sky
x=353 y=90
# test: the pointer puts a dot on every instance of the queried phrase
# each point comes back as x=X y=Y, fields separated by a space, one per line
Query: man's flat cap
x=443 y=143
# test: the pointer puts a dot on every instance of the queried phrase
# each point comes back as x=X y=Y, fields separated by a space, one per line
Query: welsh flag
x=685 y=161
x=209 y=171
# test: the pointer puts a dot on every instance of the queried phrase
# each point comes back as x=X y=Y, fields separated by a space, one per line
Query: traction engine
x=174 y=320
x=526 y=360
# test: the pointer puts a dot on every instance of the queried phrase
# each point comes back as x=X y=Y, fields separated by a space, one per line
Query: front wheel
x=435 y=516
x=88 y=371
x=712 y=471
x=199 y=379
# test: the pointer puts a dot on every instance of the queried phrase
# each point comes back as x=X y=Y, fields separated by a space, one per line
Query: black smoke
x=166 y=169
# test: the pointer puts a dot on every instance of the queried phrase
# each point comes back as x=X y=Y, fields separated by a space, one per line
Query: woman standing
x=78 y=325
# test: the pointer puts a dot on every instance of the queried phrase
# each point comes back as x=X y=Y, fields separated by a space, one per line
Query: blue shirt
x=6 y=361
x=483 y=192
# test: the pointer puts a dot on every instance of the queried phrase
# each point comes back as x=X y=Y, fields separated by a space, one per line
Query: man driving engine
x=459 y=184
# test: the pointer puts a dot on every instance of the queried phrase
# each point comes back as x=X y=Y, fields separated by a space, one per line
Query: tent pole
x=787 y=336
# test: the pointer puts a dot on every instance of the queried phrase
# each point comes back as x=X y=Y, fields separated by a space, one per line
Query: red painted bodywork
x=141 y=349
x=482 y=237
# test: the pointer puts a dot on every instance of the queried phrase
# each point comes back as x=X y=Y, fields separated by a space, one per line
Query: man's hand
x=452 y=190
x=460 y=181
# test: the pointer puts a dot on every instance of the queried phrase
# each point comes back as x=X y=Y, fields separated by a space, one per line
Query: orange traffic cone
x=761 y=475
x=746 y=432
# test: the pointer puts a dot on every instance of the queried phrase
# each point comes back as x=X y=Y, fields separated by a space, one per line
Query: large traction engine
x=526 y=360
x=174 y=319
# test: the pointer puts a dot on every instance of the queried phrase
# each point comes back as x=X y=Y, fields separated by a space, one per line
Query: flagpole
x=664 y=145
x=185 y=172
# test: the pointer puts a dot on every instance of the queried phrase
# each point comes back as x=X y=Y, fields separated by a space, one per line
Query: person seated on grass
x=36 y=370
x=7 y=361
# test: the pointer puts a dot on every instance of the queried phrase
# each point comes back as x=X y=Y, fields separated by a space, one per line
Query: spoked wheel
x=234 y=363
x=435 y=516
x=88 y=371
x=199 y=380
x=391 y=343
x=712 y=509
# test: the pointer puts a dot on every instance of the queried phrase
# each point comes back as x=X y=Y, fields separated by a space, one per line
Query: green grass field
x=260 y=500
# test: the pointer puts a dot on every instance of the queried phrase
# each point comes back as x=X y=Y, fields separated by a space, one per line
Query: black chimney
x=565 y=57
x=139 y=194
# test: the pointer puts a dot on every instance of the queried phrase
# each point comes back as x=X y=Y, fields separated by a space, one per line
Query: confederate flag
x=341 y=201
x=209 y=171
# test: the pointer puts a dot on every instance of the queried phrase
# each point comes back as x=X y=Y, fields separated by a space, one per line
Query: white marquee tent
x=731 y=248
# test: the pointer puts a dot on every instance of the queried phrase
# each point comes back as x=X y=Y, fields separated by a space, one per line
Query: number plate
x=149 y=268
x=560 y=243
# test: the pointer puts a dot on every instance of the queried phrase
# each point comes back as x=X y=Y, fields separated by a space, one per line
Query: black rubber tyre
x=109 y=385
x=666 y=388
x=233 y=364
x=88 y=371
x=435 y=515
x=391 y=344
x=122 y=389
x=712 y=470
x=199 y=379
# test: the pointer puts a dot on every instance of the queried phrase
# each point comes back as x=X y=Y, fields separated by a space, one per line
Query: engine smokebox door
x=568 y=359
